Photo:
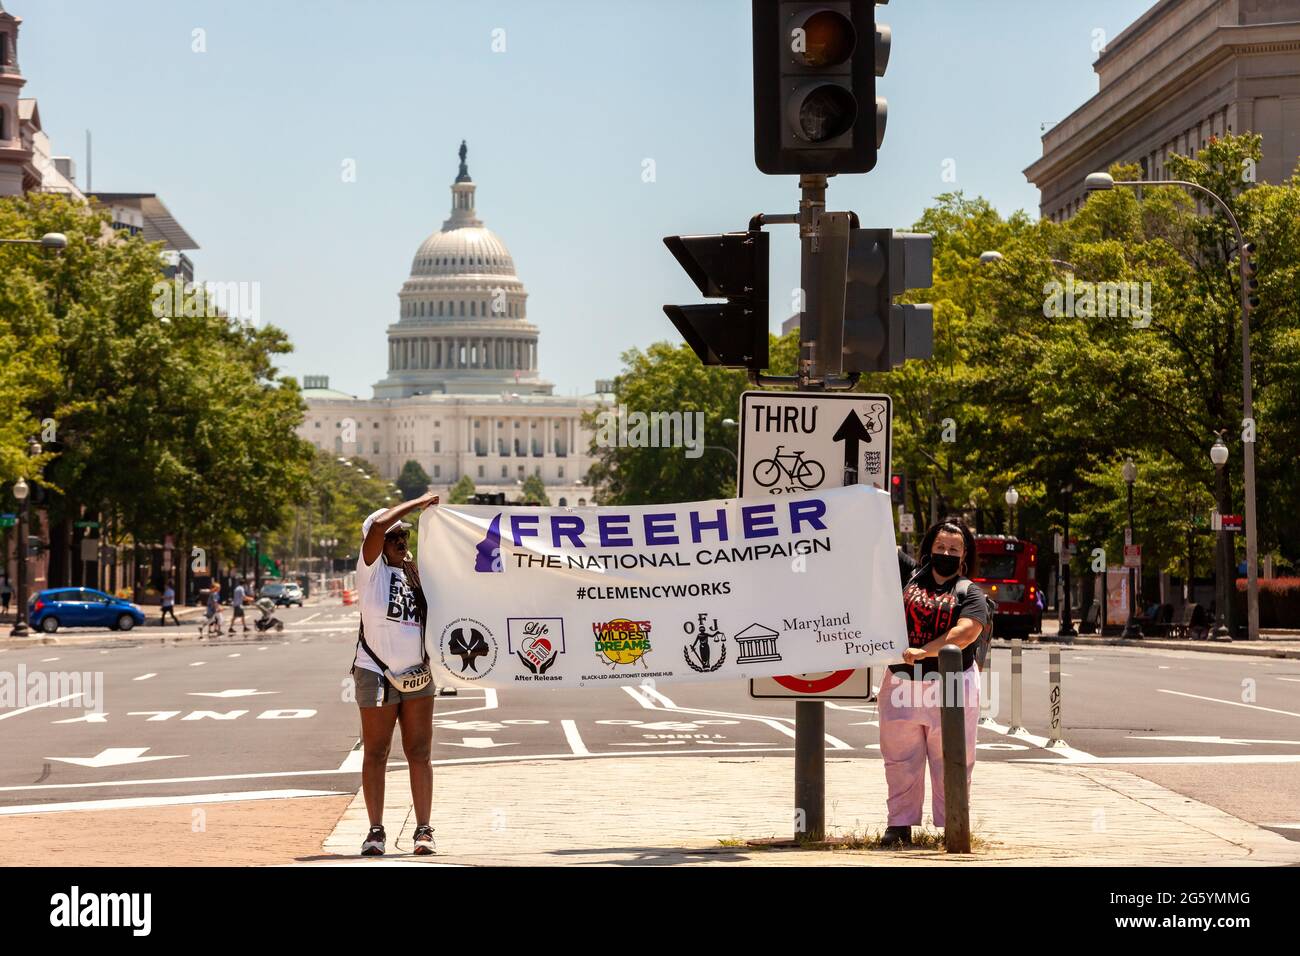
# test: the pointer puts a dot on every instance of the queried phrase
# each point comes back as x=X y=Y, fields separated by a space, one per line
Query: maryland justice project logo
x=468 y=649
x=621 y=642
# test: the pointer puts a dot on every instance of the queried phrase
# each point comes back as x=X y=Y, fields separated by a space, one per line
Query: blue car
x=81 y=607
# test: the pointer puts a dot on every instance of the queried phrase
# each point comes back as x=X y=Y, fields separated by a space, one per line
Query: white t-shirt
x=389 y=616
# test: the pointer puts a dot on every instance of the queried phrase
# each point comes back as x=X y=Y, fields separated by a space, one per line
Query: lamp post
x=1012 y=498
x=992 y=257
x=1219 y=457
x=1066 y=633
x=1132 y=629
x=1104 y=181
x=21 y=492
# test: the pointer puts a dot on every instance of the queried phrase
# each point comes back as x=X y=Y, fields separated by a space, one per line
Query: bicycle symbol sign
x=795 y=442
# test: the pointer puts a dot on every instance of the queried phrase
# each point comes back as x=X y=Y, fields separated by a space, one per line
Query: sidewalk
x=661 y=811
x=1273 y=643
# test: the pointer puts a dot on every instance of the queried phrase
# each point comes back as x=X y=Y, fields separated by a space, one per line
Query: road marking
x=352 y=762
x=478 y=743
x=1293 y=680
x=46 y=660
x=309 y=617
x=49 y=703
x=236 y=654
x=1225 y=758
x=115 y=757
x=489 y=699
x=132 y=803
x=574 y=738
x=198 y=663
x=1225 y=741
x=773 y=722
x=235 y=692
x=145 y=676
x=89 y=717
x=1234 y=703
x=1067 y=753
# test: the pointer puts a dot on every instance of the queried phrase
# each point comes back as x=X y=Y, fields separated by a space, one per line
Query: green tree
x=413 y=480
x=533 y=491
x=669 y=379
x=461 y=492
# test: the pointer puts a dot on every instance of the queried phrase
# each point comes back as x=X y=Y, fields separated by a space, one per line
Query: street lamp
x=1012 y=498
x=53 y=241
x=1066 y=632
x=992 y=256
x=1219 y=457
x=1131 y=629
x=20 y=553
x=1097 y=182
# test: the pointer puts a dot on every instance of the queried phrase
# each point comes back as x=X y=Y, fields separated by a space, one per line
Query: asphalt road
x=243 y=715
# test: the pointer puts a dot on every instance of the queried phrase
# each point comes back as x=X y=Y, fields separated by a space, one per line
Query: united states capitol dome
x=462 y=326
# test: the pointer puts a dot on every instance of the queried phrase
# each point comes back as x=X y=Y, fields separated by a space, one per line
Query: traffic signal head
x=898 y=488
x=880 y=335
x=733 y=266
x=1248 y=270
x=815 y=69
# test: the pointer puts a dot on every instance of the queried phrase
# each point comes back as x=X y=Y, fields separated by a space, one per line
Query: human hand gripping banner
x=708 y=590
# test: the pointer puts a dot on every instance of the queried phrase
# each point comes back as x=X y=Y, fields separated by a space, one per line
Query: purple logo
x=487 y=555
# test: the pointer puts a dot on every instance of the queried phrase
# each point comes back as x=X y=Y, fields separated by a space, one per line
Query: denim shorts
x=369 y=688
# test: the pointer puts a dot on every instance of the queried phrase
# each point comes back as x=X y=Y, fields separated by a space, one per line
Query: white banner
x=711 y=590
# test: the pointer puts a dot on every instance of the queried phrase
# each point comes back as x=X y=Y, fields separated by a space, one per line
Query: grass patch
x=923 y=838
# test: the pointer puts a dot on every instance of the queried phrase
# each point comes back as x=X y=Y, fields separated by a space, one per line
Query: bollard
x=986 y=688
x=956 y=788
x=1054 y=698
x=810 y=769
x=1017 y=719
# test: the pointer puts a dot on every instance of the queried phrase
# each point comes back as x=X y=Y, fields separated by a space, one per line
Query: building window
x=563 y=502
x=318 y=424
x=437 y=446
x=375 y=425
x=480 y=471
x=437 y=471
x=471 y=307
x=504 y=472
x=375 y=447
x=560 y=475
x=521 y=471
x=582 y=502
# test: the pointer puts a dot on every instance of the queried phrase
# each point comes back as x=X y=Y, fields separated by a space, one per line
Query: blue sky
x=246 y=142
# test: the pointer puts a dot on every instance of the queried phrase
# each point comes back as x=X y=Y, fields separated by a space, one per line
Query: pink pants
x=911 y=734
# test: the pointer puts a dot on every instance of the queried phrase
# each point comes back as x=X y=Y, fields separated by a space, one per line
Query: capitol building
x=463 y=395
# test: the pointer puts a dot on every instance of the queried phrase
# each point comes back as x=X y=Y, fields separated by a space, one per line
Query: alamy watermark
x=81 y=689
x=1106 y=300
x=236 y=300
x=623 y=429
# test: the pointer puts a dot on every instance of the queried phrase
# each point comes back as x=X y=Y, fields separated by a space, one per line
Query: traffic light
x=880 y=335
x=815 y=69
x=898 y=488
x=733 y=266
x=1248 y=270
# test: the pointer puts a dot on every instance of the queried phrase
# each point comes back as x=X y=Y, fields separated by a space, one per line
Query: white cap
x=369 y=522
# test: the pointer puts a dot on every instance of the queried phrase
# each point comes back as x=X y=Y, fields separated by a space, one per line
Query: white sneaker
x=374 y=844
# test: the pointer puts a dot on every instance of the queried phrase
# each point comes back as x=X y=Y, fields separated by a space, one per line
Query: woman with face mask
x=942 y=606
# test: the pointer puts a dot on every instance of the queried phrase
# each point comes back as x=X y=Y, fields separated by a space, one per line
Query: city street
x=241 y=718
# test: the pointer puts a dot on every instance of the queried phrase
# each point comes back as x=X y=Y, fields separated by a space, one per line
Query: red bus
x=1008 y=573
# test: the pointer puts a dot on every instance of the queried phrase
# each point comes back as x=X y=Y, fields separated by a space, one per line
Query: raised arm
x=373 y=546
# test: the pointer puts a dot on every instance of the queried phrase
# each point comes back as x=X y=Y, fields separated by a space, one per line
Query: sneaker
x=374 y=845
x=424 y=845
x=896 y=836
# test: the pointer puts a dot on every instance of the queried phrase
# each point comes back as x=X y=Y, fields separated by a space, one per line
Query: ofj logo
x=74 y=909
x=1101 y=300
x=624 y=429
x=235 y=300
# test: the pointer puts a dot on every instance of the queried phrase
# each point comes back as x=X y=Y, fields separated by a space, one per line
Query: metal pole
x=1017 y=717
x=20 y=554
x=956 y=787
x=1131 y=628
x=1066 y=632
x=1054 y=698
x=810 y=769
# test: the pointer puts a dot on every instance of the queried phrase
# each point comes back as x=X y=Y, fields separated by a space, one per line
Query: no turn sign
x=826 y=685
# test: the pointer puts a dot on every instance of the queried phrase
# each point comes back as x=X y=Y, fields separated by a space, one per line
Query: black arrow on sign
x=851 y=431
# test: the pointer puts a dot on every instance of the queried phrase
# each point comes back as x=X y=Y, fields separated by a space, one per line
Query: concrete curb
x=1203 y=647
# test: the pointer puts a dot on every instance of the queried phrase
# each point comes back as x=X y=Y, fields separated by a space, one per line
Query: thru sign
x=792 y=442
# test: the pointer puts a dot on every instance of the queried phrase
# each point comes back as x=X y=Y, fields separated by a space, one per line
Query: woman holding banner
x=390 y=672
x=942 y=606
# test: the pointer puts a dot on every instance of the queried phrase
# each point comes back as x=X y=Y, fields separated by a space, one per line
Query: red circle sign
x=805 y=684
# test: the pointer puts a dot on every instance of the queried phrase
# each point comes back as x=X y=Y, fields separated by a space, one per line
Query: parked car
x=54 y=608
x=283 y=593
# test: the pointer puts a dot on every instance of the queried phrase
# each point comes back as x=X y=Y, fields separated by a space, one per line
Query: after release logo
x=537 y=642
x=468 y=649
x=621 y=642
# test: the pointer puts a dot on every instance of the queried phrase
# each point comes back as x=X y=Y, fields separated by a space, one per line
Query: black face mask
x=945 y=564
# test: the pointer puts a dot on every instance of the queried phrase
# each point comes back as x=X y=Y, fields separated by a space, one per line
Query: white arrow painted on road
x=1226 y=741
x=479 y=743
x=115 y=757
x=237 y=692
